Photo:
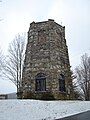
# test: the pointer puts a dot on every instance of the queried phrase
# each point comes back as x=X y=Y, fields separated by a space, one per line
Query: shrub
x=47 y=96
x=29 y=95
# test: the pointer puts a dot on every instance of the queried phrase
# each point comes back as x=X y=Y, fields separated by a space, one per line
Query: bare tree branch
x=1 y=62
x=14 y=62
x=83 y=76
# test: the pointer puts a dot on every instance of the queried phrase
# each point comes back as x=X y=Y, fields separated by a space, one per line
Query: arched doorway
x=62 y=83
x=40 y=82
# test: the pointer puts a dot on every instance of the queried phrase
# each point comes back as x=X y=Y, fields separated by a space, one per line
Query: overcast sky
x=16 y=16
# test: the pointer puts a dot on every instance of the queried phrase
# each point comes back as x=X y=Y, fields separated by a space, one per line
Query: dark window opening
x=40 y=82
x=62 y=83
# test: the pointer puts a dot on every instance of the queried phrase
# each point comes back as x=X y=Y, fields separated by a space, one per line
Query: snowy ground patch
x=40 y=110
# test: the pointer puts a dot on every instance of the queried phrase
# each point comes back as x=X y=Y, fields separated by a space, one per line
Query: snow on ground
x=40 y=110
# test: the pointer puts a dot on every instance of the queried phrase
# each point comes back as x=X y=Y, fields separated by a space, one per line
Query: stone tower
x=46 y=67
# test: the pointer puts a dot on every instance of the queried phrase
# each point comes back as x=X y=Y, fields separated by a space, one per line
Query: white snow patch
x=40 y=110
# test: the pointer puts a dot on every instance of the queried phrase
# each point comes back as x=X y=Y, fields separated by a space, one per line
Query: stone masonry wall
x=47 y=52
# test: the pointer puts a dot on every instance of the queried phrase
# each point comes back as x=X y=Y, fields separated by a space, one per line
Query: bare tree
x=1 y=62
x=83 y=76
x=78 y=93
x=14 y=62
